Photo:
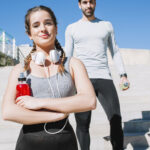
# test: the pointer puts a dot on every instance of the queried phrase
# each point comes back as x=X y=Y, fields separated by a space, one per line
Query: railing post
x=3 y=42
x=14 y=48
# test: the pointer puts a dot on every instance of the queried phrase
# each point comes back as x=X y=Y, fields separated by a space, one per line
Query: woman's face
x=42 y=29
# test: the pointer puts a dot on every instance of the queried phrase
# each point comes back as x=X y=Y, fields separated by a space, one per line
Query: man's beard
x=88 y=14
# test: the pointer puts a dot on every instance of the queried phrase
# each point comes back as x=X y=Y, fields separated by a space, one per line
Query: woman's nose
x=42 y=27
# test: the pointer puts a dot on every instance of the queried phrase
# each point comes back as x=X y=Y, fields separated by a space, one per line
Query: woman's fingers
x=20 y=103
x=18 y=99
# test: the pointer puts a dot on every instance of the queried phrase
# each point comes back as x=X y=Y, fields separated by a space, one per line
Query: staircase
x=136 y=132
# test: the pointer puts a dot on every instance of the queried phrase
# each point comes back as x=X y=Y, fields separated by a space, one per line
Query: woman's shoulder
x=17 y=69
x=76 y=64
x=14 y=74
x=75 y=61
x=72 y=63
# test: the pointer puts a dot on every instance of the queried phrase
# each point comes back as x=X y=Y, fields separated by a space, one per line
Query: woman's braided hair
x=57 y=44
x=59 y=48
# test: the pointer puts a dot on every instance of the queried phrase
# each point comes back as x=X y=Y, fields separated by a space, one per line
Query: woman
x=53 y=87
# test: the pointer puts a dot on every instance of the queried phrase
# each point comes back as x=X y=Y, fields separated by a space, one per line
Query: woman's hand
x=64 y=115
x=29 y=102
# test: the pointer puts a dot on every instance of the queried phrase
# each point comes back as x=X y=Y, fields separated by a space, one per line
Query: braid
x=28 y=58
x=62 y=57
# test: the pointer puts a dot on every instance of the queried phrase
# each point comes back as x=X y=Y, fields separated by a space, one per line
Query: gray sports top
x=41 y=89
x=89 y=40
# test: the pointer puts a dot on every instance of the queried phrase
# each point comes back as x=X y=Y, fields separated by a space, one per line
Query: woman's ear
x=30 y=37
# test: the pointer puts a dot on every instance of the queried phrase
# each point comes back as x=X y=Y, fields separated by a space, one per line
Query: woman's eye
x=49 y=23
x=35 y=25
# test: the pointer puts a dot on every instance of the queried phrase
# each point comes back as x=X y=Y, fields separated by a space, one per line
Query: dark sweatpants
x=107 y=96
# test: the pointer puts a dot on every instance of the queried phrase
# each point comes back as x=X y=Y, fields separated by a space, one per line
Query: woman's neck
x=45 y=50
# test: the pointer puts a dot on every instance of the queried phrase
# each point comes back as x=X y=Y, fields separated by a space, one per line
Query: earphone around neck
x=39 y=57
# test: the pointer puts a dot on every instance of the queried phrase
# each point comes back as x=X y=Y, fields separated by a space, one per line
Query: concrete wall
x=22 y=52
x=133 y=56
x=130 y=56
x=25 y=50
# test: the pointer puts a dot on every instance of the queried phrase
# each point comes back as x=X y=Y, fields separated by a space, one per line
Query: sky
x=130 y=19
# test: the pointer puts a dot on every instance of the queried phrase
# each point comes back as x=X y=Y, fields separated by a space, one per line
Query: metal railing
x=7 y=44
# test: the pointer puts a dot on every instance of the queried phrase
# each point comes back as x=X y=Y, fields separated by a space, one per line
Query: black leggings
x=33 y=137
x=107 y=96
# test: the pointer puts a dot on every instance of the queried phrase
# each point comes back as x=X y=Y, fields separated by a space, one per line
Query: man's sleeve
x=114 y=50
x=69 y=42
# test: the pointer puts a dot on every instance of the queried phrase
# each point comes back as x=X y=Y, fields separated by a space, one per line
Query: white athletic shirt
x=89 y=40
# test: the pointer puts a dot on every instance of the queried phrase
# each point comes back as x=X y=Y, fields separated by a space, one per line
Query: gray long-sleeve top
x=89 y=40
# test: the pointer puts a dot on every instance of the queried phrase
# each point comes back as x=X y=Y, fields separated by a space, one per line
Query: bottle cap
x=22 y=77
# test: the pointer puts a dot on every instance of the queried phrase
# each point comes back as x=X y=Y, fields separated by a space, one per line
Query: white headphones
x=39 y=57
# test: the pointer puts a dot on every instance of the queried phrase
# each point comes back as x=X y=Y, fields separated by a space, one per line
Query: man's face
x=87 y=7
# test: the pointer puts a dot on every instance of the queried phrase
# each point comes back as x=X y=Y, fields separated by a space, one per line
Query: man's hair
x=80 y=1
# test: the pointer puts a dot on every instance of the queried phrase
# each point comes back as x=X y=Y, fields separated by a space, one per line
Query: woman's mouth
x=44 y=36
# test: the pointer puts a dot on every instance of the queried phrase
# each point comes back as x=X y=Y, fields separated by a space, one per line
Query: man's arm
x=115 y=53
x=114 y=50
x=69 y=42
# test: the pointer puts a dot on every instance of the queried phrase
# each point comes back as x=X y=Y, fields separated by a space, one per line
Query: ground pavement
x=133 y=102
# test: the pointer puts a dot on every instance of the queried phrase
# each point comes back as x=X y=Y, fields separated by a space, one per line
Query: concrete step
x=137 y=125
x=138 y=140
x=143 y=148
x=137 y=148
x=146 y=115
x=135 y=141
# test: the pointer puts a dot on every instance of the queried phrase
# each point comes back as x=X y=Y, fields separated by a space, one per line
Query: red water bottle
x=22 y=87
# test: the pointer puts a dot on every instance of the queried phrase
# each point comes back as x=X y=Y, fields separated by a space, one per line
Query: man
x=89 y=38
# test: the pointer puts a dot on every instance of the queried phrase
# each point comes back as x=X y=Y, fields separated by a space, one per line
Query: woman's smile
x=45 y=36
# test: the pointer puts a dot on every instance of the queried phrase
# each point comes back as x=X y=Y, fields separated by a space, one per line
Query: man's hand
x=124 y=83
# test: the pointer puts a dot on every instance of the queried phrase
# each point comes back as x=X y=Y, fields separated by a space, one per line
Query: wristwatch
x=123 y=75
